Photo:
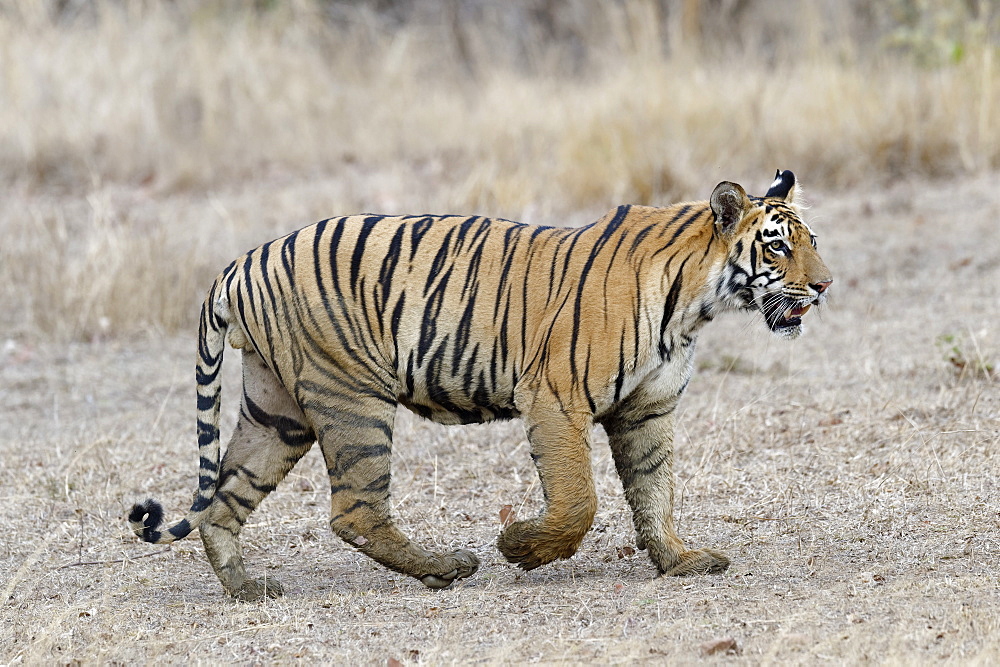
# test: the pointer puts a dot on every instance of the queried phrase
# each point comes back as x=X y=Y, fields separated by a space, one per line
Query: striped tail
x=146 y=517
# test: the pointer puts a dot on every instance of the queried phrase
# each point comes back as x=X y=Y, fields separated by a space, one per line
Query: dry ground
x=851 y=475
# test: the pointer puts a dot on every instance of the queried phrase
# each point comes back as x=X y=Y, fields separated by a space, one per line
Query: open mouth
x=792 y=316
x=782 y=312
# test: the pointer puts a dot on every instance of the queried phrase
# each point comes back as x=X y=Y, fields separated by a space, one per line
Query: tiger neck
x=681 y=294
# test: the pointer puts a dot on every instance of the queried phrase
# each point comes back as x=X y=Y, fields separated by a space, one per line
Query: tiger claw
x=436 y=582
x=258 y=589
x=698 y=561
x=467 y=566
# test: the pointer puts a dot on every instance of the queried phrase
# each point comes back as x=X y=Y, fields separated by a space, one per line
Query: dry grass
x=227 y=93
x=851 y=475
x=174 y=104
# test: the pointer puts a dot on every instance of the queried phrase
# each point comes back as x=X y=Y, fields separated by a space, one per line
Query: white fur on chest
x=671 y=377
x=655 y=381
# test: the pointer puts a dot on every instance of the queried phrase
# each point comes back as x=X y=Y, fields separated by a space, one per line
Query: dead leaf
x=626 y=551
x=507 y=515
x=725 y=645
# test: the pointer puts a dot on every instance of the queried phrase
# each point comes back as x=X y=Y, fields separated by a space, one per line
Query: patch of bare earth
x=852 y=477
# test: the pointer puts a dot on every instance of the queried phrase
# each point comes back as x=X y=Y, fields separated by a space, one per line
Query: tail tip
x=145 y=518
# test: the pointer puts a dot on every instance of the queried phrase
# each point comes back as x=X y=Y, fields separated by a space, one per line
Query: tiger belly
x=461 y=396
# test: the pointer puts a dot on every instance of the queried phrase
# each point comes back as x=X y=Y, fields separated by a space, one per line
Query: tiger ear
x=730 y=204
x=783 y=186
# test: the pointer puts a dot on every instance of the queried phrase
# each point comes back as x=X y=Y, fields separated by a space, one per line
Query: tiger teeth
x=796 y=311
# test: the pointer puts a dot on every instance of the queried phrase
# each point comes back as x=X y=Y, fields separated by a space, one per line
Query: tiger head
x=773 y=265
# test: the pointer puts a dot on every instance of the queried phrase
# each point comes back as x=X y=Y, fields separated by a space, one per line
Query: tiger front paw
x=457 y=565
x=529 y=544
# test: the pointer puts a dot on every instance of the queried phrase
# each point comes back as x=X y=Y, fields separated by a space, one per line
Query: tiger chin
x=471 y=319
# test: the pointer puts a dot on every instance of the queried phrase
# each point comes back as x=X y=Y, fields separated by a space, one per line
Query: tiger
x=471 y=319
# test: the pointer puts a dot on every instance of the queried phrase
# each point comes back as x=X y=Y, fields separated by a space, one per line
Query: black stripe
x=271 y=308
x=504 y=347
x=288 y=256
x=681 y=212
x=338 y=234
x=574 y=237
x=669 y=306
x=201 y=503
x=463 y=229
x=182 y=529
x=204 y=378
x=208 y=402
x=290 y=431
x=680 y=228
x=397 y=314
x=349 y=344
x=367 y=225
x=353 y=508
x=609 y=230
x=388 y=270
x=350 y=455
x=428 y=326
x=207 y=434
x=379 y=485
x=510 y=240
x=586 y=382
x=463 y=332
x=417 y=232
x=475 y=259
x=650 y=468
x=639 y=238
x=440 y=259
x=620 y=379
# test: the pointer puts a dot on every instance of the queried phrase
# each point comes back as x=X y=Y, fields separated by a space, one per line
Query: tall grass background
x=130 y=132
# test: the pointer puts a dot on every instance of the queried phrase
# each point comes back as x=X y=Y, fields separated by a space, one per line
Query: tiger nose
x=821 y=286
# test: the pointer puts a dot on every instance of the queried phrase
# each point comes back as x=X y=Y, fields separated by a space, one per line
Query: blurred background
x=143 y=145
x=853 y=476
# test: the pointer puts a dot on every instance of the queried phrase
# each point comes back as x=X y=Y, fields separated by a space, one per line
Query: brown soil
x=850 y=475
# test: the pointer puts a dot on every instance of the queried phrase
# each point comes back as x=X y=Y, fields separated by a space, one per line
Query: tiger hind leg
x=357 y=445
x=271 y=435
